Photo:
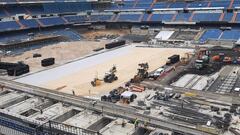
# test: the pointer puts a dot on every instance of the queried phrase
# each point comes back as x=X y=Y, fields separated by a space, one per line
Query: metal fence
x=15 y=126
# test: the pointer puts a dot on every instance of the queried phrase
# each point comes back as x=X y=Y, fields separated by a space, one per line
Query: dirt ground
x=126 y=68
x=62 y=52
x=90 y=35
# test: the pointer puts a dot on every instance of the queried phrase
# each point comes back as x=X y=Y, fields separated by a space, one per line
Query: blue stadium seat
x=198 y=4
x=76 y=19
x=2 y=13
x=183 y=17
x=160 y=5
x=100 y=18
x=236 y=3
x=127 y=5
x=178 y=5
x=16 y=10
x=228 y=17
x=52 y=21
x=162 y=17
x=220 y=4
x=129 y=17
x=10 y=25
x=30 y=23
x=206 y=17
x=145 y=17
x=237 y=18
x=210 y=34
x=34 y=10
x=230 y=35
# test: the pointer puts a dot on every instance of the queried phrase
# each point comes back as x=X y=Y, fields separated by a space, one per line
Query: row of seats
x=73 y=7
x=49 y=8
x=157 y=17
x=132 y=17
x=150 y=4
x=31 y=23
x=216 y=34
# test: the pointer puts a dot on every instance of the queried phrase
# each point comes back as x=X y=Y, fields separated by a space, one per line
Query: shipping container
x=115 y=44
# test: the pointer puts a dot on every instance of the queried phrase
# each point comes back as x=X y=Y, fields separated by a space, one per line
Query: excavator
x=96 y=81
x=142 y=73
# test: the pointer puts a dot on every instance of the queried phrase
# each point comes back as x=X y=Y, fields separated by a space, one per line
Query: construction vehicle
x=227 y=60
x=173 y=59
x=186 y=58
x=216 y=58
x=110 y=76
x=142 y=73
x=202 y=62
x=96 y=82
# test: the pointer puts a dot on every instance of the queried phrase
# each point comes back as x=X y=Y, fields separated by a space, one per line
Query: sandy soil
x=126 y=65
x=90 y=35
x=62 y=52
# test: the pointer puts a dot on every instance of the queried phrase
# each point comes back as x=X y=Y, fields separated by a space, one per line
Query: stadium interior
x=54 y=55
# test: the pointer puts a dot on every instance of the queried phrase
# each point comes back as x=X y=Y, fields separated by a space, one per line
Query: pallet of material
x=136 y=88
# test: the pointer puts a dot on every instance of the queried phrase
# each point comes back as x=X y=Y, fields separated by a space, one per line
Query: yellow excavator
x=96 y=81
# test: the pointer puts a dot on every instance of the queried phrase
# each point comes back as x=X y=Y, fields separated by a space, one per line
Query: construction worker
x=73 y=92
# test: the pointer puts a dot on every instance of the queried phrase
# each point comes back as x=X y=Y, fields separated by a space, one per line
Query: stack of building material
x=136 y=88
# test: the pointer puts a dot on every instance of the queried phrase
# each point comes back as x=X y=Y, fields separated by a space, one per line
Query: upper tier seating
x=161 y=17
x=10 y=25
x=183 y=17
x=30 y=23
x=100 y=18
x=206 y=17
x=228 y=17
x=129 y=17
x=76 y=19
x=52 y=21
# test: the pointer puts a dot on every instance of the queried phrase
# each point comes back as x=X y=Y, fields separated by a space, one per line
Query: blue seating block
x=210 y=34
x=231 y=35
x=10 y=25
x=52 y=21
x=183 y=17
x=206 y=17
x=129 y=17
x=31 y=23
x=76 y=19
x=228 y=17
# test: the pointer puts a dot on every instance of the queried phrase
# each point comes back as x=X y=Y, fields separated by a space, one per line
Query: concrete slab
x=115 y=128
x=83 y=119
x=23 y=106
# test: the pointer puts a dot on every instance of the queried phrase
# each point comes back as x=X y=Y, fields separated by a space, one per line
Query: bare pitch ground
x=62 y=52
x=78 y=77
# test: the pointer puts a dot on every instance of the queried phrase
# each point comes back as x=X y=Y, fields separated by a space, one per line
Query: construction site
x=135 y=67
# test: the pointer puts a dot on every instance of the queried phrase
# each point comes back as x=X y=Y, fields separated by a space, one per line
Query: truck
x=173 y=59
